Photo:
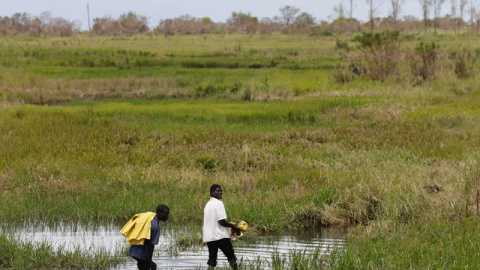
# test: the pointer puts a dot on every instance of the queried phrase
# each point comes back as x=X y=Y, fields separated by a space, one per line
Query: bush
x=423 y=63
x=342 y=45
x=381 y=53
x=463 y=63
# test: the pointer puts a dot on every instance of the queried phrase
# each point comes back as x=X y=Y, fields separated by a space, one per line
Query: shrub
x=462 y=63
x=342 y=45
x=381 y=53
x=423 y=63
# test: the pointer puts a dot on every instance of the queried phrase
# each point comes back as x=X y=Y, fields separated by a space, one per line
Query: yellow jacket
x=138 y=228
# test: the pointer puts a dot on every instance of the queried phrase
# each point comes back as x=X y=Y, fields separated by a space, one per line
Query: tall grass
x=441 y=244
x=16 y=254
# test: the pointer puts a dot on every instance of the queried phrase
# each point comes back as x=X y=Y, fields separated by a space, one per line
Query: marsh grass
x=15 y=254
x=188 y=241
x=429 y=246
x=295 y=152
x=293 y=260
x=48 y=71
x=310 y=155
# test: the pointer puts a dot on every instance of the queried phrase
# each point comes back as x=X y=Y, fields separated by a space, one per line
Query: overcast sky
x=217 y=10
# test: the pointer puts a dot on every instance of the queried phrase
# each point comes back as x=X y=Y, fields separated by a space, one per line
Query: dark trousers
x=142 y=264
x=226 y=247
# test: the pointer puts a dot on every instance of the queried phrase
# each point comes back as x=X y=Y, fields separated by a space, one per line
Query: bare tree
x=186 y=25
x=288 y=14
x=477 y=19
x=244 y=23
x=339 y=11
x=304 y=22
x=373 y=5
x=132 y=23
x=426 y=5
x=453 y=10
x=268 y=26
x=106 y=26
x=350 y=15
x=472 y=10
x=462 y=6
x=45 y=24
x=396 y=7
x=437 y=7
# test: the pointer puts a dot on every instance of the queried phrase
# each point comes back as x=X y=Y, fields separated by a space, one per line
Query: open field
x=97 y=129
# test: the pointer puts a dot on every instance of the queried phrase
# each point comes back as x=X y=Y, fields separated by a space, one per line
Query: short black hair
x=214 y=187
x=162 y=208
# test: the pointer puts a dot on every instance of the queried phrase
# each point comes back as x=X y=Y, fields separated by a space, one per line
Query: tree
x=304 y=22
x=131 y=24
x=106 y=26
x=396 y=7
x=373 y=5
x=339 y=11
x=45 y=24
x=462 y=6
x=185 y=25
x=437 y=7
x=242 y=22
x=426 y=4
x=477 y=19
x=350 y=14
x=127 y=24
x=453 y=9
x=288 y=14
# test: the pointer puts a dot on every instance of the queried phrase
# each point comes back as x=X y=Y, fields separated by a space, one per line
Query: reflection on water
x=167 y=253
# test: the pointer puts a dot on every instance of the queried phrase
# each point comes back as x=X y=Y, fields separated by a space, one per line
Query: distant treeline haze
x=463 y=15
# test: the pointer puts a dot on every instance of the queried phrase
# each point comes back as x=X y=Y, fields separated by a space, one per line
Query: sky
x=217 y=10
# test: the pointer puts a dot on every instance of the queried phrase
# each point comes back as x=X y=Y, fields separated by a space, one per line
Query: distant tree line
x=290 y=20
x=43 y=25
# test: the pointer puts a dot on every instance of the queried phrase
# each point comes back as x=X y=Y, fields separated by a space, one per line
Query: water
x=167 y=254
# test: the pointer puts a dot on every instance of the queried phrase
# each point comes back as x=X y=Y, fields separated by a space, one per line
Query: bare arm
x=227 y=224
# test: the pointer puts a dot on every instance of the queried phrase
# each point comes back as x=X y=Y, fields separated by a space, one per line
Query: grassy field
x=148 y=120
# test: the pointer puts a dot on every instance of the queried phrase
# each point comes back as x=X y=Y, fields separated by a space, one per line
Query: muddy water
x=168 y=255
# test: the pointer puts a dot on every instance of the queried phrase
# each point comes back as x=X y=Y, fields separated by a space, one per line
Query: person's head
x=216 y=191
x=162 y=212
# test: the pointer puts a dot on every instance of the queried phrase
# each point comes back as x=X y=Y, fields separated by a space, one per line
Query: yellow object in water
x=138 y=228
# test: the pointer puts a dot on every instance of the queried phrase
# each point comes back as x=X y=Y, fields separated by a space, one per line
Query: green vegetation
x=295 y=137
x=25 y=255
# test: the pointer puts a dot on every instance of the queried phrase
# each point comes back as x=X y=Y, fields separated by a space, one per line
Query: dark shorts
x=225 y=245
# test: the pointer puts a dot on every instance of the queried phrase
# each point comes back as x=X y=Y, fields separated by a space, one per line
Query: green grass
x=16 y=254
x=443 y=244
x=294 y=148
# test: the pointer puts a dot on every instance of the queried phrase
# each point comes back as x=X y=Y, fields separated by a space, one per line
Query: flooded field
x=170 y=255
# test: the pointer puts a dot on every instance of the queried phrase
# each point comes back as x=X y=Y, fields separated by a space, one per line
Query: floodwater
x=167 y=254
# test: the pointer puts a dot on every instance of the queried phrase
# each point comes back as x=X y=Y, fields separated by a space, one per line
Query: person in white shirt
x=215 y=232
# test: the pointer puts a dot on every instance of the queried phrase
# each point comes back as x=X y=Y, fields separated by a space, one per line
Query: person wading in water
x=215 y=232
x=143 y=233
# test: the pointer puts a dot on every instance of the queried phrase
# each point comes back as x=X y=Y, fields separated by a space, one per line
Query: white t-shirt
x=213 y=212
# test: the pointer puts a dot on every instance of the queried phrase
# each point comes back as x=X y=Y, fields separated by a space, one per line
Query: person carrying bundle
x=143 y=233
